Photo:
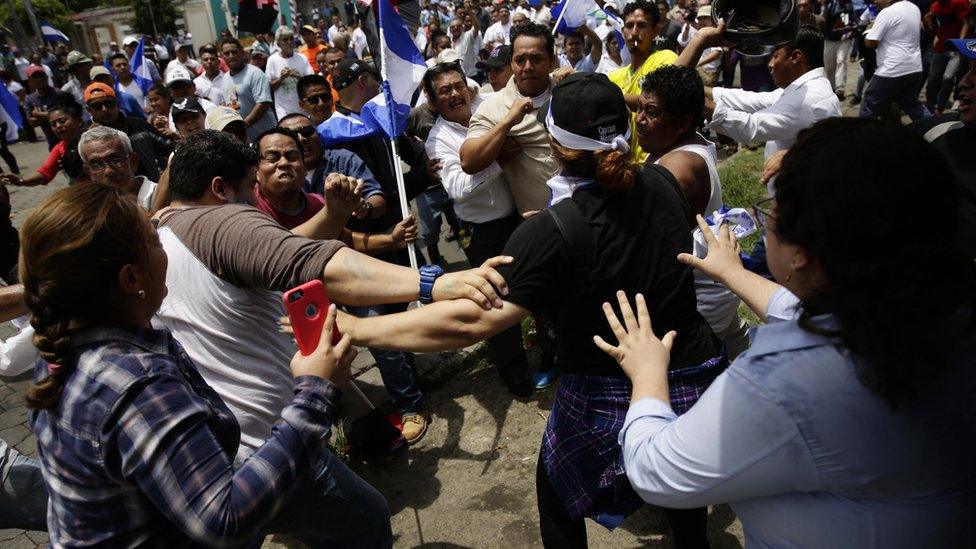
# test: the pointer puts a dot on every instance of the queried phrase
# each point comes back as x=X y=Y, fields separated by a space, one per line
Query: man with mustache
x=641 y=26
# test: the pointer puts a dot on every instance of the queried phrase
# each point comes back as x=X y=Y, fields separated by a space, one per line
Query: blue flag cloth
x=387 y=112
x=10 y=113
x=50 y=33
x=574 y=16
x=140 y=67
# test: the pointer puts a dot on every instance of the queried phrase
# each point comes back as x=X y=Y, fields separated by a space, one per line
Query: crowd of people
x=578 y=173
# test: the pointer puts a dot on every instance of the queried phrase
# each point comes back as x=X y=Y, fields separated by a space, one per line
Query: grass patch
x=740 y=184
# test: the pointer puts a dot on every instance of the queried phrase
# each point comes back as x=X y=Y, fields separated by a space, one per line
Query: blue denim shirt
x=808 y=457
x=139 y=449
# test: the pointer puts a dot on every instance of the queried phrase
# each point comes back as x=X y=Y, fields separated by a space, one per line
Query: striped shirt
x=140 y=449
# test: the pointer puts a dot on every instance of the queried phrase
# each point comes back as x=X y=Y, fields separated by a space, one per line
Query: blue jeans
x=431 y=204
x=396 y=370
x=336 y=509
x=23 y=494
x=942 y=79
x=882 y=90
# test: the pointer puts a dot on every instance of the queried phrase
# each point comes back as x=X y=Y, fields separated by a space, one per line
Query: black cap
x=348 y=70
x=499 y=57
x=187 y=104
x=588 y=104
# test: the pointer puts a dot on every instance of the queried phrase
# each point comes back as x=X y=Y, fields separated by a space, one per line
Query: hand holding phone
x=327 y=360
x=307 y=307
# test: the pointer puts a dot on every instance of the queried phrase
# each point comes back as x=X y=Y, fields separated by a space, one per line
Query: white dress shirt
x=478 y=198
x=499 y=33
x=809 y=457
x=777 y=116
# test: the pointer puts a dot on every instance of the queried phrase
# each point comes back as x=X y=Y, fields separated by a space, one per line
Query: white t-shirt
x=359 y=43
x=498 y=33
x=896 y=30
x=133 y=89
x=21 y=63
x=211 y=89
x=192 y=66
x=286 y=96
x=13 y=87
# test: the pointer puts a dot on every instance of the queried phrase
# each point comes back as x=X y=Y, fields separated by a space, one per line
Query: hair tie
x=53 y=369
x=620 y=143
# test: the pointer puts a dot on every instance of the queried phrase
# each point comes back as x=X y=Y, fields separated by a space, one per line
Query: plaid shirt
x=140 y=449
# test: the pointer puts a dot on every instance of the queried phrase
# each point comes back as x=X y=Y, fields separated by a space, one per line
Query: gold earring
x=142 y=294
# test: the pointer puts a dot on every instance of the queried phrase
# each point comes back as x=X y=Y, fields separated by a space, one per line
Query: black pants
x=487 y=241
x=559 y=530
x=5 y=152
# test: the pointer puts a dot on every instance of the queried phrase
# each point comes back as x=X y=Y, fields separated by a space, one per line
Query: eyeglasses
x=99 y=166
x=307 y=131
x=320 y=98
x=102 y=106
x=763 y=210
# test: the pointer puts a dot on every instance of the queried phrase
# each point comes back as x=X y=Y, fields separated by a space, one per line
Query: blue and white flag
x=618 y=28
x=50 y=33
x=572 y=14
x=10 y=113
x=387 y=112
x=140 y=67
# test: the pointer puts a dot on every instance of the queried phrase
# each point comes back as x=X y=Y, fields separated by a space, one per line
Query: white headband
x=580 y=143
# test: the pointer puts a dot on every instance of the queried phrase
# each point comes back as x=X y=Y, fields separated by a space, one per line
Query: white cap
x=704 y=11
x=448 y=56
x=129 y=40
x=178 y=74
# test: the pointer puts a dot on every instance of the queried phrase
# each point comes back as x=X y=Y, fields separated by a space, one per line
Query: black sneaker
x=855 y=101
x=518 y=384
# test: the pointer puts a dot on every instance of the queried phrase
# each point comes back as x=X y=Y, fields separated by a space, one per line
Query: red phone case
x=307 y=307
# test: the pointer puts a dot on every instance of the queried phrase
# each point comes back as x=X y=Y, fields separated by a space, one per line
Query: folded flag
x=51 y=34
x=387 y=112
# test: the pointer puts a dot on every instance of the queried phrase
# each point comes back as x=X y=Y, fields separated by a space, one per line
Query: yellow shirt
x=629 y=81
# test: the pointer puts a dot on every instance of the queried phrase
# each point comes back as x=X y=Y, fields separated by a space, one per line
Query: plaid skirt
x=580 y=451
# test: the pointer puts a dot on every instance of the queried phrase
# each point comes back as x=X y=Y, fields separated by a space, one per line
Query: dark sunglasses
x=307 y=131
x=320 y=98
x=102 y=106
x=763 y=210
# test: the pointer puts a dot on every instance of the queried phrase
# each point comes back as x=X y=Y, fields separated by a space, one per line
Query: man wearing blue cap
x=955 y=136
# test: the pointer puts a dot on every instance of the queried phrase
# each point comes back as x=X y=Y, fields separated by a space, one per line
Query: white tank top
x=716 y=303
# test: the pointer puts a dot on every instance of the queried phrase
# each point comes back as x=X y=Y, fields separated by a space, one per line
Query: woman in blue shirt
x=850 y=421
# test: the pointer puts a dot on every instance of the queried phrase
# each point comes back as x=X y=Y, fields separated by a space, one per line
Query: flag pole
x=560 y=18
x=397 y=169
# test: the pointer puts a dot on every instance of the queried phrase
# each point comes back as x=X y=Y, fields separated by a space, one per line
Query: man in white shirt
x=109 y=159
x=120 y=64
x=482 y=201
x=283 y=70
x=209 y=83
x=804 y=97
x=183 y=60
x=898 y=78
x=465 y=40
x=359 y=42
x=574 y=56
x=499 y=32
x=334 y=29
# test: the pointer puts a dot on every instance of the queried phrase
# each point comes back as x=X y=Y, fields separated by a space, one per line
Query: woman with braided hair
x=135 y=447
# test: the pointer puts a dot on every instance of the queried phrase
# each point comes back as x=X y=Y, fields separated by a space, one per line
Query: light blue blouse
x=808 y=457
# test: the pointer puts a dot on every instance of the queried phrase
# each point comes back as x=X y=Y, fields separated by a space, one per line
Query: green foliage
x=52 y=11
x=164 y=12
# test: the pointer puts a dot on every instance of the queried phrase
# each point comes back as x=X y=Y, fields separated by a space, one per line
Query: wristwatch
x=428 y=275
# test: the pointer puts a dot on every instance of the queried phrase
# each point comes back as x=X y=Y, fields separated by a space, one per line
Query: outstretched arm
x=436 y=327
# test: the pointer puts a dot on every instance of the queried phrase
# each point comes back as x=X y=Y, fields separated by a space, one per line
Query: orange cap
x=97 y=89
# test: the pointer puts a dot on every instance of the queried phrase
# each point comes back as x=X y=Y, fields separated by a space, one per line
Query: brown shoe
x=414 y=427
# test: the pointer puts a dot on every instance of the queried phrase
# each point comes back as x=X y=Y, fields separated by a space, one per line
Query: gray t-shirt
x=249 y=87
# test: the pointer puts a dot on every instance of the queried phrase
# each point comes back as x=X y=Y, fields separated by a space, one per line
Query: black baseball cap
x=348 y=70
x=186 y=105
x=498 y=58
x=588 y=104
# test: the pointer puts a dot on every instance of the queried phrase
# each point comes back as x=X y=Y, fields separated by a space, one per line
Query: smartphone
x=307 y=307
